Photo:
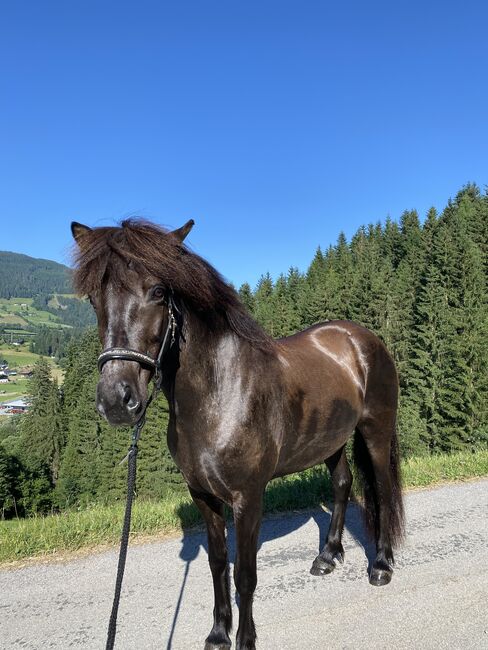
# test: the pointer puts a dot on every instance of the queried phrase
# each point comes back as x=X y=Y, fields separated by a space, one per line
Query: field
x=20 y=311
x=12 y=390
x=19 y=357
x=100 y=525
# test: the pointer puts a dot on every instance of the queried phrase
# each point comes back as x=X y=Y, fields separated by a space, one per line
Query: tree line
x=422 y=287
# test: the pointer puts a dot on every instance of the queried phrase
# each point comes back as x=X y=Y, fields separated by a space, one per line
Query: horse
x=244 y=408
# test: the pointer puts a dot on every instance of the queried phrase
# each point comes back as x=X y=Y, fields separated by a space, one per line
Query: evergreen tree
x=42 y=434
x=263 y=309
x=246 y=295
x=80 y=467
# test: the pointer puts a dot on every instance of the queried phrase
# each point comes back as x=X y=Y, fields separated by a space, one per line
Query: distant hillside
x=37 y=293
x=21 y=275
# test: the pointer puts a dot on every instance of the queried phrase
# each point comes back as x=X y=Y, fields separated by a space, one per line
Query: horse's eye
x=157 y=293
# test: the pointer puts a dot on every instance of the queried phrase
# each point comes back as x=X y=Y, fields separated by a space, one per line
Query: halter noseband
x=128 y=354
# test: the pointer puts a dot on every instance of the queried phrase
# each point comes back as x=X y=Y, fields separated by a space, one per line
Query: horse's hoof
x=380 y=577
x=217 y=641
x=321 y=566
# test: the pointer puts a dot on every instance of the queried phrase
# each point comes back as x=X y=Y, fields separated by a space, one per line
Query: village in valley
x=13 y=378
x=16 y=368
x=27 y=333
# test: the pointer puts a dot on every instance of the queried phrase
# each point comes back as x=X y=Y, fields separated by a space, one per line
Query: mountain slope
x=21 y=275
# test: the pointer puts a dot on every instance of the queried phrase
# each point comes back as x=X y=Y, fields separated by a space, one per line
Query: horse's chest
x=202 y=465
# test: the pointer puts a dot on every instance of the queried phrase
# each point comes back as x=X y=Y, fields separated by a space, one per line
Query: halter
x=128 y=354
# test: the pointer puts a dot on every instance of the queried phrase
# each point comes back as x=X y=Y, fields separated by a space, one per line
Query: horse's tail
x=368 y=480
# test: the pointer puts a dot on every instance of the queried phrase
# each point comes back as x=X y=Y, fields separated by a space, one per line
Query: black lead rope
x=124 y=540
x=143 y=359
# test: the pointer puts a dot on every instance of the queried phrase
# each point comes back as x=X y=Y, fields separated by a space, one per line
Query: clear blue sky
x=273 y=124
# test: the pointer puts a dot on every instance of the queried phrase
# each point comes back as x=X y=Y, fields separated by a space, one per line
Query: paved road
x=438 y=597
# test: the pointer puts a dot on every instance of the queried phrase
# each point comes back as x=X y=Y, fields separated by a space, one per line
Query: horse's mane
x=150 y=249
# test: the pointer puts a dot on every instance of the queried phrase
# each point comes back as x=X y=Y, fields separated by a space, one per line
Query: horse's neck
x=206 y=364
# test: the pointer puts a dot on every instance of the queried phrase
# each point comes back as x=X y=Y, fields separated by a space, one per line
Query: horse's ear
x=181 y=233
x=78 y=230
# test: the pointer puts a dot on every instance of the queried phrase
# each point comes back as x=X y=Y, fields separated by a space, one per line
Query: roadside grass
x=100 y=525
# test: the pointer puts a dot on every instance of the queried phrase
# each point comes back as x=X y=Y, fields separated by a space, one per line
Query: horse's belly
x=315 y=433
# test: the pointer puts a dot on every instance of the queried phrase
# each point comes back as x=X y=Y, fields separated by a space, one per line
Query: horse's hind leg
x=341 y=483
x=383 y=498
x=213 y=512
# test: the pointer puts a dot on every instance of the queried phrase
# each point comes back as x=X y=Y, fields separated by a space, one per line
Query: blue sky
x=273 y=124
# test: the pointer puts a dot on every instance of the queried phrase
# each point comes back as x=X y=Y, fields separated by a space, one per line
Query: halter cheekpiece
x=128 y=354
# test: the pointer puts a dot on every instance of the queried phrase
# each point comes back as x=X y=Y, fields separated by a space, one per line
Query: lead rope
x=124 y=540
x=131 y=481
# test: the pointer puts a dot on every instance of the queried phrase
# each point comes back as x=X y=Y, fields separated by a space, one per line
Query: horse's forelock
x=108 y=251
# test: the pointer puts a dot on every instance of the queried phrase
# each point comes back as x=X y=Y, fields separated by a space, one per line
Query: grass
x=100 y=525
x=12 y=390
x=12 y=319
x=17 y=357
x=20 y=356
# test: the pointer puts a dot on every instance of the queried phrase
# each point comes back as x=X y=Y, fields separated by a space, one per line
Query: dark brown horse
x=243 y=407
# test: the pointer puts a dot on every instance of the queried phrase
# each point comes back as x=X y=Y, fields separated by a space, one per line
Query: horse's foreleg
x=212 y=510
x=247 y=518
x=341 y=483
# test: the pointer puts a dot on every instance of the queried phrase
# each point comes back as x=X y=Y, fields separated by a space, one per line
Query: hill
x=35 y=293
x=21 y=275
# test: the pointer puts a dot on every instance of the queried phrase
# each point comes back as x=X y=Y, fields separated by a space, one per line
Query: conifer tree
x=246 y=295
x=263 y=309
x=42 y=434
x=80 y=467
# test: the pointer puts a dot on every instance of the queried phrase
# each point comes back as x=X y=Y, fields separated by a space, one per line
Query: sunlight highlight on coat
x=231 y=398
x=338 y=360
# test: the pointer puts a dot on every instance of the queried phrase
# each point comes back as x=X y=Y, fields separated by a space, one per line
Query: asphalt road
x=438 y=597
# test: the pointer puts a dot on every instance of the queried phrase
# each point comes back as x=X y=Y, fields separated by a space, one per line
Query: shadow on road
x=273 y=527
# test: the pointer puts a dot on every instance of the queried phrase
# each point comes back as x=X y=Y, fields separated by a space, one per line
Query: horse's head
x=131 y=306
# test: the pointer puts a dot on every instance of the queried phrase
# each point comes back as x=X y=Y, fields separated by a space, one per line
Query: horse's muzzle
x=120 y=403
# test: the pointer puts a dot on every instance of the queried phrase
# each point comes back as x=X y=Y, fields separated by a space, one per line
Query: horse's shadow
x=272 y=528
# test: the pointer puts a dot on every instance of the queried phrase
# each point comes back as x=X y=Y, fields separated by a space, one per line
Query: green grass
x=428 y=470
x=12 y=319
x=19 y=357
x=12 y=390
x=20 y=311
x=100 y=525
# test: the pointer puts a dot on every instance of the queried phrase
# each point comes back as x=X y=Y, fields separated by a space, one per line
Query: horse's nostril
x=134 y=406
x=131 y=402
x=127 y=394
